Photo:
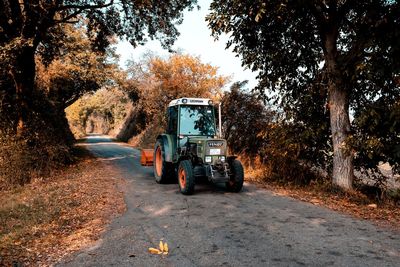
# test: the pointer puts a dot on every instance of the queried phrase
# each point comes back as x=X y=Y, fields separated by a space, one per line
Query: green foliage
x=262 y=139
x=245 y=121
x=134 y=19
x=285 y=40
x=308 y=51
x=376 y=138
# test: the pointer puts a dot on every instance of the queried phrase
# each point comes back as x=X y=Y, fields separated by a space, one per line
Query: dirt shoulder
x=49 y=219
x=385 y=214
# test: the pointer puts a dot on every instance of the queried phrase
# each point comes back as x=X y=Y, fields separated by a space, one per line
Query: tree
x=34 y=40
x=162 y=80
x=25 y=24
x=245 y=119
x=64 y=71
x=67 y=70
x=158 y=81
x=348 y=48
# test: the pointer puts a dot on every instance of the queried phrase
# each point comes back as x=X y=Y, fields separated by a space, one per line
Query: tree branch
x=84 y=7
x=67 y=18
x=71 y=100
x=344 y=9
x=80 y=9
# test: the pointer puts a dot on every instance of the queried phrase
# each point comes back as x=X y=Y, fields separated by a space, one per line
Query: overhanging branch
x=85 y=7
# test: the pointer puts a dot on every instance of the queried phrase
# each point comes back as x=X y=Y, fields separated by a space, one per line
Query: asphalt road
x=216 y=228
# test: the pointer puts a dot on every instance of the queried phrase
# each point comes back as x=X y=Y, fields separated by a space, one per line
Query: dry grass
x=50 y=218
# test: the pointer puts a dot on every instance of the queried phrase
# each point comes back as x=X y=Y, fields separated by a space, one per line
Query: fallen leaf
x=161 y=246
x=154 y=251
x=165 y=249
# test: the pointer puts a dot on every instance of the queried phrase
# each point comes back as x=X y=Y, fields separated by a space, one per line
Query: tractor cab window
x=172 y=120
x=197 y=120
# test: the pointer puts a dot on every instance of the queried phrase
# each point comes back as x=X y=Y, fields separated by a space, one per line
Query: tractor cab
x=191 y=147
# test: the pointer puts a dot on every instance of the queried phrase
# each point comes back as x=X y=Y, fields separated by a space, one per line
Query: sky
x=195 y=39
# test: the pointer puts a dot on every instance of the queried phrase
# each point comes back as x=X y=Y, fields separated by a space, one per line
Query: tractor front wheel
x=186 y=177
x=235 y=183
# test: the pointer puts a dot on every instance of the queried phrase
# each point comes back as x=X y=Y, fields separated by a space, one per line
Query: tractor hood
x=209 y=148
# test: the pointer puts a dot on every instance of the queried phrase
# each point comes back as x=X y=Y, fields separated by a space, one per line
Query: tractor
x=190 y=148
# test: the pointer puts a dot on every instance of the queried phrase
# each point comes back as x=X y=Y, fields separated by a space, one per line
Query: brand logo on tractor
x=215 y=144
x=196 y=101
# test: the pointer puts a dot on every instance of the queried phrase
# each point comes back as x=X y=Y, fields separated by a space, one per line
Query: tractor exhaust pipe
x=220 y=119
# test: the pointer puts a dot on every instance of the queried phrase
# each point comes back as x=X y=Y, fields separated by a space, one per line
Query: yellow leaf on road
x=163 y=249
x=154 y=251
x=161 y=246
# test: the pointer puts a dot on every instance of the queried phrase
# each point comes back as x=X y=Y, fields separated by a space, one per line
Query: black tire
x=163 y=171
x=236 y=177
x=186 y=177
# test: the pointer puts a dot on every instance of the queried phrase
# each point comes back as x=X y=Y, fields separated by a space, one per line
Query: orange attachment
x=146 y=158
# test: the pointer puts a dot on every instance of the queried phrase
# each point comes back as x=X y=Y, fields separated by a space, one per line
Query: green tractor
x=191 y=150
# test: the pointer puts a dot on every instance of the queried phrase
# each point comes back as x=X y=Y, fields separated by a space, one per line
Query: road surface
x=216 y=228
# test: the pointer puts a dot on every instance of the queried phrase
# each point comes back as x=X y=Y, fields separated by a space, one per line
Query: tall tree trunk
x=343 y=170
x=23 y=74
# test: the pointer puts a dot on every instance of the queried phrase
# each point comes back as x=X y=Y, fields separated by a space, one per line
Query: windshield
x=197 y=120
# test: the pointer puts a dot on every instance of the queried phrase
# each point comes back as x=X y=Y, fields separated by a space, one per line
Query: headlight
x=208 y=159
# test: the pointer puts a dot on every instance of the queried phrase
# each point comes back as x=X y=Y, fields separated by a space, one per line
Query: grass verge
x=44 y=221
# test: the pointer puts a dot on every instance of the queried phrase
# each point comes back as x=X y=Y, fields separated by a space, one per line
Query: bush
x=46 y=144
x=264 y=141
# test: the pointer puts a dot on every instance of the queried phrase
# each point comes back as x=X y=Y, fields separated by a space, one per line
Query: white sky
x=196 y=40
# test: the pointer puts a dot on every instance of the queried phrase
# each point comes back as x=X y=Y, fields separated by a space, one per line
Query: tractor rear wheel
x=163 y=171
x=186 y=177
x=235 y=183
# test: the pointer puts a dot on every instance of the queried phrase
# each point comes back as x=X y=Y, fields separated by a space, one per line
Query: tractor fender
x=169 y=146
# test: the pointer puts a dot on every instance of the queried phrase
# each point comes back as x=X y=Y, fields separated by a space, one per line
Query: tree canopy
x=162 y=80
x=24 y=25
x=341 y=53
x=52 y=52
x=74 y=69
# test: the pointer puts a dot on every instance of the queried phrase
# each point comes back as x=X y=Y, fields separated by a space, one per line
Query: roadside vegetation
x=303 y=130
x=318 y=61
x=322 y=125
x=48 y=219
x=52 y=53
